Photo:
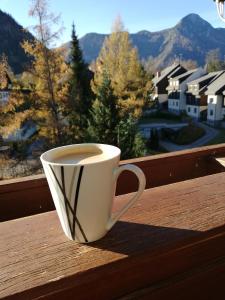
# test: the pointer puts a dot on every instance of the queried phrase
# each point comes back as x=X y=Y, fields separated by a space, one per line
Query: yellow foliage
x=128 y=79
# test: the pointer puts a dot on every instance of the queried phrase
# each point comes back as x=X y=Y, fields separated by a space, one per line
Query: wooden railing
x=170 y=245
x=159 y=170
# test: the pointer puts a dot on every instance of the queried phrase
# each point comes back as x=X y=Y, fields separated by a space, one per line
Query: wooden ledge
x=159 y=170
x=173 y=234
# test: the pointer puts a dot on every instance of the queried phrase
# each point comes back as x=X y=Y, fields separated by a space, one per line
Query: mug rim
x=115 y=154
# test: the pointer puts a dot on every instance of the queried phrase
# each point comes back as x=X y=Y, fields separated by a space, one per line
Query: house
x=177 y=89
x=215 y=99
x=196 y=99
x=161 y=82
x=5 y=88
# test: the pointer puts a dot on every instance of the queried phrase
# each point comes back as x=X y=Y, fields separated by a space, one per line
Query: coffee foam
x=80 y=158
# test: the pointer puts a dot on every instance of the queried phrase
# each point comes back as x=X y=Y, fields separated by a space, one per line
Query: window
x=173 y=103
x=211 y=112
x=211 y=100
x=195 y=110
x=176 y=103
x=189 y=109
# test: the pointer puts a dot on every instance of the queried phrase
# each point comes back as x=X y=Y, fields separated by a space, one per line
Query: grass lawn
x=219 y=139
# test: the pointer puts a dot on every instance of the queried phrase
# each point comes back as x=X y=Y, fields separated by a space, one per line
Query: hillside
x=192 y=38
x=12 y=34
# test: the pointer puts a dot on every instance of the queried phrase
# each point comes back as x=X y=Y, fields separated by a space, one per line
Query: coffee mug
x=82 y=180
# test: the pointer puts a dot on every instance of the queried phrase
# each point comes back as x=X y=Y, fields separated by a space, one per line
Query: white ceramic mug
x=83 y=192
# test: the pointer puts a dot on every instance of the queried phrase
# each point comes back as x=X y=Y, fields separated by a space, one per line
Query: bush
x=185 y=135
x=162 y=115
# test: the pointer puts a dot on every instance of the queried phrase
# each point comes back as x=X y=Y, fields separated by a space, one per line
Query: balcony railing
x=170 y=245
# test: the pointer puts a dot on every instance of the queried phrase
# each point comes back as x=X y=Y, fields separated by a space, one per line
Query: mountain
x=12 y=35
x=192 y=38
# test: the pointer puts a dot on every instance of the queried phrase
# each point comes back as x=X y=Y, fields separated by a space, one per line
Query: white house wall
x=223 y=111
x=194 y=111
x=215 y=111
x=174 y=105
x=182 y=89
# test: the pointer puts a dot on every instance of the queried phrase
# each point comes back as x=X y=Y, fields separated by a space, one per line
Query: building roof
x=209 y=76
x=184 y=76
x=204 y=81
x=166 y=72
x=217 y=86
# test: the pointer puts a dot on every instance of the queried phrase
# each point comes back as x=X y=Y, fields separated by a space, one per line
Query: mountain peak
x=193 y=19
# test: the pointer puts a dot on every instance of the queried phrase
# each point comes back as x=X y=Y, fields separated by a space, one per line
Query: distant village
x=196 y=93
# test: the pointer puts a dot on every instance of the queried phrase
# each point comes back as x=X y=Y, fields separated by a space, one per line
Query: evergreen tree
x=104 y=115
x=79 y=90
x=129 y=140
x=106 y=125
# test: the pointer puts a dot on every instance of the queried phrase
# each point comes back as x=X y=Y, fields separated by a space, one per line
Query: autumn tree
x=4 y=72
x=43 y=104
x=80 y=94
x=128 y=79
x=48 y=68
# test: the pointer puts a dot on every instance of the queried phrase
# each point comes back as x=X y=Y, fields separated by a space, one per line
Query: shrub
x=185 y=135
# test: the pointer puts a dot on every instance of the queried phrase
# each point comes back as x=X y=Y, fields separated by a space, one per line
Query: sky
x=98 y=15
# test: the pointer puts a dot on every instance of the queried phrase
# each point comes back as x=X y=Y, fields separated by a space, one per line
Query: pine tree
x=120 y=60
x=129 y=140
x=79 y=90
x=104 y=115
x=107 y=125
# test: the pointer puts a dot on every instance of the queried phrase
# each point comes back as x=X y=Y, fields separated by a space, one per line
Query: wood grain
x=173 y=230
x=159 y=170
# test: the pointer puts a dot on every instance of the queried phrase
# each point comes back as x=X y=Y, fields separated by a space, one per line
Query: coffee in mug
x=82 y=180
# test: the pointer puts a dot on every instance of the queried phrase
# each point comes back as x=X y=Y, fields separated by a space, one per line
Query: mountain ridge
x=192 y=37
x=12 y=35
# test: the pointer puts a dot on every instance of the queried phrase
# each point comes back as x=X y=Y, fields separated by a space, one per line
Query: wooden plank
x=171 y=230
x=173 y=167
x=159 y=170
x=23 y=197
x=202 y=283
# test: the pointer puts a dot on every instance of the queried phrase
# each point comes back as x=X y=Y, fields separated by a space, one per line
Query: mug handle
x=142 y=182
